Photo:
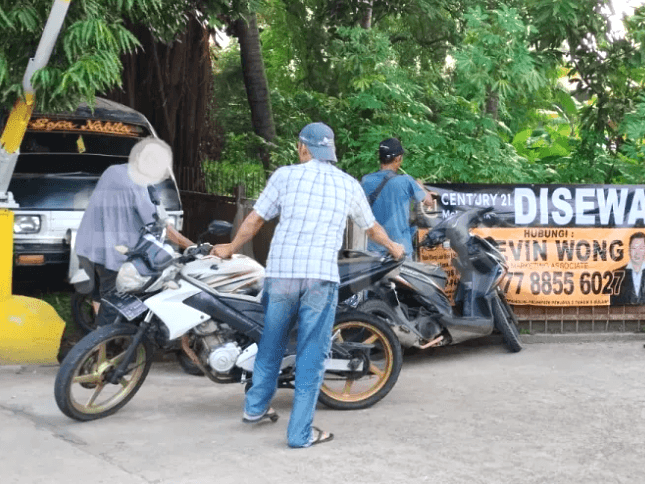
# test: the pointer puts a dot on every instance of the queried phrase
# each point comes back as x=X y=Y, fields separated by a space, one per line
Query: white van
x=61 y=159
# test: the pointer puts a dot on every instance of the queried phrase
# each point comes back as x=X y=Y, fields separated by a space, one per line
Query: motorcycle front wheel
x=82 y=388
x=377 y=369
x=506 y=323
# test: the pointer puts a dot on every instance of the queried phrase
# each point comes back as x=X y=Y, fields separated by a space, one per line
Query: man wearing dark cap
x=313 y=200
x=390 y=196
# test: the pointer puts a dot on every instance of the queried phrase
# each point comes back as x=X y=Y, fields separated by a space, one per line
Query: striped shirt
x=313 y=201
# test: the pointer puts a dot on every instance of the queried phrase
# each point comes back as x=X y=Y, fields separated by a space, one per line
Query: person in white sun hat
x=117 y=210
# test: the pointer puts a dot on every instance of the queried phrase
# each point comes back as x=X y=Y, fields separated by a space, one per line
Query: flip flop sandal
x=320 y=436
x=269 y=414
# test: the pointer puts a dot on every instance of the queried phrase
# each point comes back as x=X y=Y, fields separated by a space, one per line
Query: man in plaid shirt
x=313 y=200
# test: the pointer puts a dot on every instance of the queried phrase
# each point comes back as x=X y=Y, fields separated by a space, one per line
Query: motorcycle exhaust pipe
x=482 y=326
x=434 y=342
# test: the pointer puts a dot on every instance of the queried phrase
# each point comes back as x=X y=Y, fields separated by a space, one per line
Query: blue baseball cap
x=319 y=139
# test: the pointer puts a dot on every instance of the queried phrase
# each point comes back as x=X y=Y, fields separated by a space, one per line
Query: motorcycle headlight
x=26 y=224
x=129 y=279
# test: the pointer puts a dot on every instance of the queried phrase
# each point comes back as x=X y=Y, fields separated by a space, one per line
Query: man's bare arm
x=430 y=198
x=177 y=238
x=251 y=226
x=379 y=235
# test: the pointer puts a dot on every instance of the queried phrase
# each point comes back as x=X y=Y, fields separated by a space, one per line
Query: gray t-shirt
x=117 y=210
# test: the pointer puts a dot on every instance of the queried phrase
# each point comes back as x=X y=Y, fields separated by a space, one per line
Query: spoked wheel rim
x=90 y=392
x=360 y=385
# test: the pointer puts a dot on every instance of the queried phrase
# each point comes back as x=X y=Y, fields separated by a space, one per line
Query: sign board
x=84 y=126
x=581 y=245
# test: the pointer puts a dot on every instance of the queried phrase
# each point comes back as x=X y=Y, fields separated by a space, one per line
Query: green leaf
x=567 y=102
x=6 y=21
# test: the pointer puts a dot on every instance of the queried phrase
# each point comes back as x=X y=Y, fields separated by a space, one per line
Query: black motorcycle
x=212 y=307
x=414 y=304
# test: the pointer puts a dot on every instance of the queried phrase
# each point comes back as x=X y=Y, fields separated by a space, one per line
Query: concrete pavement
x=554 y=413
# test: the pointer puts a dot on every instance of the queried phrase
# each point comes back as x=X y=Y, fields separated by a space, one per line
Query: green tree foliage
x=381 y=100
x=505 y=92
x=86 y=60
x=633 y=150
x=605 y=74
x=493 y=62
x=87 y=55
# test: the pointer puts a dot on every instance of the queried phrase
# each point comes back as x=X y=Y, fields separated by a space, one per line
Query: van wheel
x=83 y=312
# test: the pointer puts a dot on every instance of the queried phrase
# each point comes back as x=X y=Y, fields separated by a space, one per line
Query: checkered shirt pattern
x=313 y=201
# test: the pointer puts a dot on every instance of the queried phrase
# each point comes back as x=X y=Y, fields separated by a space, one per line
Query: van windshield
x=48 y=165
x=72 y=192
x=58 y=171
x=76 y=143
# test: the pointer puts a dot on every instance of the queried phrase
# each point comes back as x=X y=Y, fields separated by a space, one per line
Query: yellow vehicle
x=30 y=329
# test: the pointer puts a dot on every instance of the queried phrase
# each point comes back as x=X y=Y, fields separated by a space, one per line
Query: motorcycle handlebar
x=390 y=258
x=455 y=228
x=191 y=253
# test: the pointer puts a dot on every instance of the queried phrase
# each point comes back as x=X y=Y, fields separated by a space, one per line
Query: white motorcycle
x=213 y=307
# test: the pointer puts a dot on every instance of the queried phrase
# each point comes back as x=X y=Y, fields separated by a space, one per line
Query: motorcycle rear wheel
x=346 y=390
x=188 y=365
x=506 y=323
x=82 y=390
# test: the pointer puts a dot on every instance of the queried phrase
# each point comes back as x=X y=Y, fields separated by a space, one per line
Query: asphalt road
x=554 y=413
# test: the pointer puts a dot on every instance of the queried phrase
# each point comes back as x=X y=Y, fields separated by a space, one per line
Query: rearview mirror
x=220 y=228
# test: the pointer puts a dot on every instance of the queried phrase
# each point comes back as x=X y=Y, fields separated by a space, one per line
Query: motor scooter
x=414 y=302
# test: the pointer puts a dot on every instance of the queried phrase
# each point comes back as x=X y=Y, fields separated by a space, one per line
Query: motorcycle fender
x=169 y=306
x=246 y=360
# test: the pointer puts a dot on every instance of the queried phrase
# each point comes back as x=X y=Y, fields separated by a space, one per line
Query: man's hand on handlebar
x=223 y=251
x=396 y=250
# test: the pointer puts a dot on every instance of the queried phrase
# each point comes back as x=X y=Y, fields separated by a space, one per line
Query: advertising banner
x=581 y=245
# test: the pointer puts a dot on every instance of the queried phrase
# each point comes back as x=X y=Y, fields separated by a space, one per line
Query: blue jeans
x=312 y=304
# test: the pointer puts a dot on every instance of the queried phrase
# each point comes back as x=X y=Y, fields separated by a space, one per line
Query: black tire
x=83 y=312
x=380 y=309
x=187 y=364
x=506 y=323
x=81 y=379
x=380 y=372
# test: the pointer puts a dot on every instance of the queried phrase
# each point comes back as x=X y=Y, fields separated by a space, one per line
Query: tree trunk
x=492 y=103
x=366 y=19
x=171 y=84
x=255 y=81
